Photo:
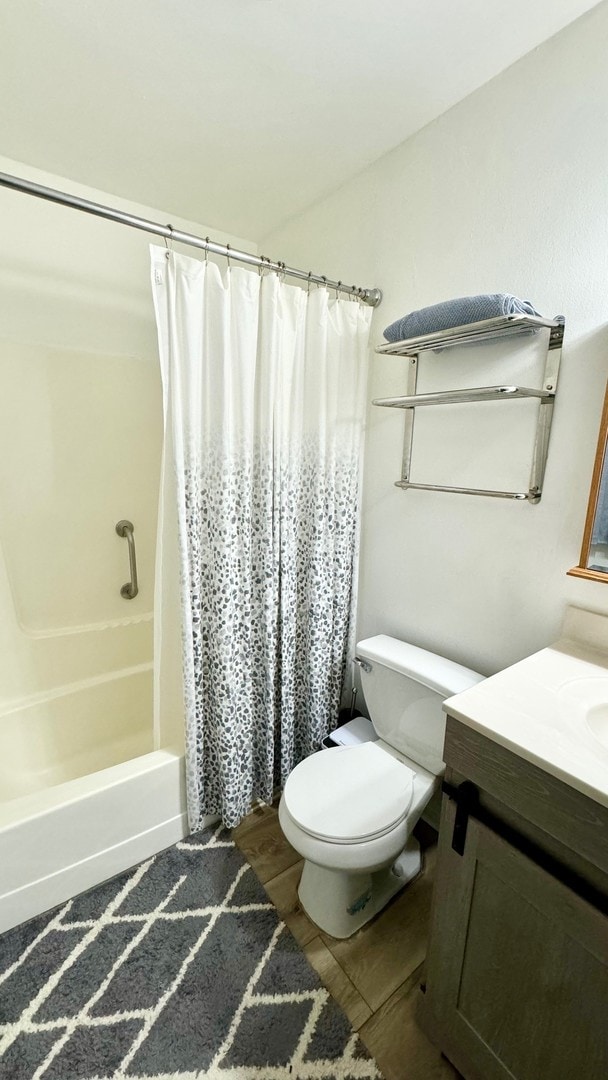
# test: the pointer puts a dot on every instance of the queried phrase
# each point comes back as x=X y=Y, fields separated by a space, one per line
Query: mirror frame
x=582 y=570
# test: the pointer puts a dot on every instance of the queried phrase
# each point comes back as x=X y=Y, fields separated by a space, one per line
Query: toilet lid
x=350 y=794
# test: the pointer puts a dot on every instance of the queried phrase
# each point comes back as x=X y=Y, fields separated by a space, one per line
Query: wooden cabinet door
x=517 y=978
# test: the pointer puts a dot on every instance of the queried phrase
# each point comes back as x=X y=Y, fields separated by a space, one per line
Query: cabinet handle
x=467 y=802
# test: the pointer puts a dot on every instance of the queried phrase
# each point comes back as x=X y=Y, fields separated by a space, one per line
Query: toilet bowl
x=350 y=811
x=355 y=835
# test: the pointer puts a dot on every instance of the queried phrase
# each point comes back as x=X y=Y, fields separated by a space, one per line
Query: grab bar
x=131 y=588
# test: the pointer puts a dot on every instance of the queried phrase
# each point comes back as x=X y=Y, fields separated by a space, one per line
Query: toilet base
x=340 y=902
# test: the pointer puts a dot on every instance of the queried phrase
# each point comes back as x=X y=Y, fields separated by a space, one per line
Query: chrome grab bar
x=131 y=588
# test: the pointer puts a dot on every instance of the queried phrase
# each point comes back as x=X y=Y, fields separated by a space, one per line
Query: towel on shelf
x=459 y=312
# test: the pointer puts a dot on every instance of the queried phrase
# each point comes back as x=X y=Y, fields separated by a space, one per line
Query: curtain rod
x=28 y=187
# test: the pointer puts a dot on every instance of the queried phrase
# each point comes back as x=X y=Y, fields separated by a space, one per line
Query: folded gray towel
x=459 y=312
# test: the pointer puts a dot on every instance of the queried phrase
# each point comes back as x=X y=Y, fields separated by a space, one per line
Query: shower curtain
x=264 y=402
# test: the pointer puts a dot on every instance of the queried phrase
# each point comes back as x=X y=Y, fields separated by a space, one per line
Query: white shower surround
x=77 y=314
x=70 y=731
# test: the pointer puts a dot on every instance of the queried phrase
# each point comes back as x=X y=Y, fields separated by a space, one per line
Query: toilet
x=350 y=811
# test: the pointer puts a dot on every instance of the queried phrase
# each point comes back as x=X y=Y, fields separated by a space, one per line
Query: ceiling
x=243 y=112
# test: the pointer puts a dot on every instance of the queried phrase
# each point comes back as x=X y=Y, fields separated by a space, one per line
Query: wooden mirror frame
x=582 y=570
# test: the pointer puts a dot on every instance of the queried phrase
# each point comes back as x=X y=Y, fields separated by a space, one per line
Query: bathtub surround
x=264 y=392
x=89 y=783
x=80 y=442
x=179 y=967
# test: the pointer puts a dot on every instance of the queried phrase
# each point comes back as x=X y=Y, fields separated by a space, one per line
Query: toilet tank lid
x=427 y=668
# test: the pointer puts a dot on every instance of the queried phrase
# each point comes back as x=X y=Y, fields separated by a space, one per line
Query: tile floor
x=375 y=975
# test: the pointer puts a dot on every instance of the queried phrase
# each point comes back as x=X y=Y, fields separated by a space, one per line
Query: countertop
x=540 y=707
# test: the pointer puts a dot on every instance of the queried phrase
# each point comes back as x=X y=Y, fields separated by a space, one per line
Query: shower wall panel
x=80 y=449
x=80 y=443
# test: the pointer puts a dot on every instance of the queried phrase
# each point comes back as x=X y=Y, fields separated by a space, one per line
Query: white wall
x=506 y=192
x=80 y=437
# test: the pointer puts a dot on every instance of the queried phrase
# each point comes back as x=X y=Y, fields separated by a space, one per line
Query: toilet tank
x=405 y=688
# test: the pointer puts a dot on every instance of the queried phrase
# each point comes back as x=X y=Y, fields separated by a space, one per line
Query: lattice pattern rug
x=179 y=969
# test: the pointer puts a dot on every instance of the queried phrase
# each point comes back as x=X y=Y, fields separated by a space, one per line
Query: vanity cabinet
x=517 y=970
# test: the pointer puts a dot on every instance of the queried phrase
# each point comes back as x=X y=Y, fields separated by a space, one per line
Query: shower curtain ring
x=338 y=290
x=206 y=249
x=168 y=249
x=228 y=255
x=309 y=281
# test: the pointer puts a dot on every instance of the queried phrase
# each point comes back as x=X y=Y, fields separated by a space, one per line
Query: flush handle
x=363 y=664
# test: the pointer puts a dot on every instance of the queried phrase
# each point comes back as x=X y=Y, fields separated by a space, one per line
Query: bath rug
x=179 y=969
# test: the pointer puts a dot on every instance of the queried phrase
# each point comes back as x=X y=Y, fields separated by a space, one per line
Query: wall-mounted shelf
x=457 y=397
x=486 y=331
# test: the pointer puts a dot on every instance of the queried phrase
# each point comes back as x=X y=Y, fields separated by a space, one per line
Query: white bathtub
x=84 y=795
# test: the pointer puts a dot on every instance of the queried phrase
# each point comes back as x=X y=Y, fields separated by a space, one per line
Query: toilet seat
x=349 y=795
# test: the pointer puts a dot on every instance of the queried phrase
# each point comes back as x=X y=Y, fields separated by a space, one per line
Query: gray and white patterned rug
x=179 y=969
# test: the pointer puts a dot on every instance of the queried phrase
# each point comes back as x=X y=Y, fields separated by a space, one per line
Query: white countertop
x=540 y=709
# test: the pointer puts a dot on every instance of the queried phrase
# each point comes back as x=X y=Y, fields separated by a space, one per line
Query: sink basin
x=587 y=699
x=597 y=721
x=551 y=708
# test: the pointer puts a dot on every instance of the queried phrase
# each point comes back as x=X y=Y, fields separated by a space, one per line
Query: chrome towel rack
x=485 y=331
